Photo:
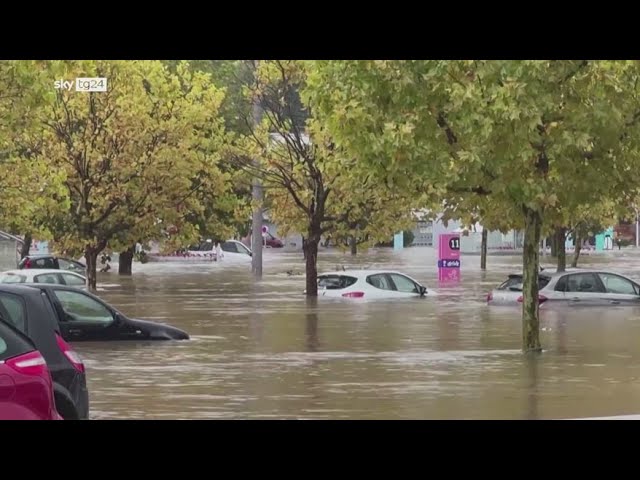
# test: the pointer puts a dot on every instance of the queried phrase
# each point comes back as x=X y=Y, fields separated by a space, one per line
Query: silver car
x=575 y=287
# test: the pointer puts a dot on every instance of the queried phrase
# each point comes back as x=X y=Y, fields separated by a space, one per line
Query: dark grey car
x=575 y=287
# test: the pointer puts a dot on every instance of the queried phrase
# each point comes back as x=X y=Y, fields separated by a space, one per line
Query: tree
x=135 y=158
x=298 y=162
x=521 y=132
x=363 y=212
x=28 y=187
x=588 y=220
x=368 y=212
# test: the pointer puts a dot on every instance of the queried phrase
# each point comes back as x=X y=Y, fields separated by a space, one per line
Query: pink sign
x=449 y=257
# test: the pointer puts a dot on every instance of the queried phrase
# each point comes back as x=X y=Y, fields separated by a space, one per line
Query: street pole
x=637 y=229
x=257 y=196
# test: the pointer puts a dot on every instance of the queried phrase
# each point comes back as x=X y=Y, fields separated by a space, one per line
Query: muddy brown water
x=264 y=351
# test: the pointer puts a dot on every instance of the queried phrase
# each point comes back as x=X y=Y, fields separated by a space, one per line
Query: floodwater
x=265 y=351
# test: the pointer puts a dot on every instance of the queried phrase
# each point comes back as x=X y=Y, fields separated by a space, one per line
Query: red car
x=26 y=388
x=273 y=242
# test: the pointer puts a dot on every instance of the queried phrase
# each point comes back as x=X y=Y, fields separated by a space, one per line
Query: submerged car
x=272 y=242
x=45 y=275
x=26 y=388
x=231 y=251
x=83 y=316
x=574 y=287
x=49 y=261
x=369 y=284
x=234 y=250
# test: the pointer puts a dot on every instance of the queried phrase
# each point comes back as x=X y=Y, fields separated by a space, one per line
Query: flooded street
x=265 y=351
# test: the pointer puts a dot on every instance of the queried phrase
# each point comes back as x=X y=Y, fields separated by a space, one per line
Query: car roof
x=35 y=271
x=21 y=288
x=555 y=273
x=360 y=273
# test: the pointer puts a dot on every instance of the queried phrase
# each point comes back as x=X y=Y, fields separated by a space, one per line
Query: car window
x=204 y=247
x=82 y=307
x=543 y=281
x=561 y=284
x=404 y=284
x=583 y=283
x=46 y=278
x=229 y=247
x=15 y=311
x=242 y=248
x=616 y=284
x=73 y=280
x=335 y=282
x=46 y=262
x=64 y=264
x=12 y=344
x=379 y=281
x=514 y=281
x=12 y=278
x=69 y=265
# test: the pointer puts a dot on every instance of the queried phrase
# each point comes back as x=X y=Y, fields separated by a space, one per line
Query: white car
x=576 y=287
x=229 y=250
x=373 y=284
x=44 y=275
x=233 y=250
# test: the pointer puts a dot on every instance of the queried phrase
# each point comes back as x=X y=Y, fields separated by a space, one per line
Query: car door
x=86 y=318
x=619 y=290
x=83 y=317
x=584 y=289
x=404 y=286
x=383 y=286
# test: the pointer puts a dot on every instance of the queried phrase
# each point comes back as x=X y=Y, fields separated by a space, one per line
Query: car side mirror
x=70 y=317
x=423 y=290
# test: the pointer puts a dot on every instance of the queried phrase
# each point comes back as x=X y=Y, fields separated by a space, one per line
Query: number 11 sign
x=449 y=257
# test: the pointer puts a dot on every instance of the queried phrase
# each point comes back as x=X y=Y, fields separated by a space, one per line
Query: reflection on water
x=265 y=351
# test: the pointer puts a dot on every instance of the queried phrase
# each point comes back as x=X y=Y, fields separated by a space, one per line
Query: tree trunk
x=576 y=255
x=26 y=245
x=91 y=257
x=483 y=249
x=353 y=243
x=125 y=264
x=560 y=239
x=311 y=262
x=531 y=265
x=554 y=246
x=304 y=248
